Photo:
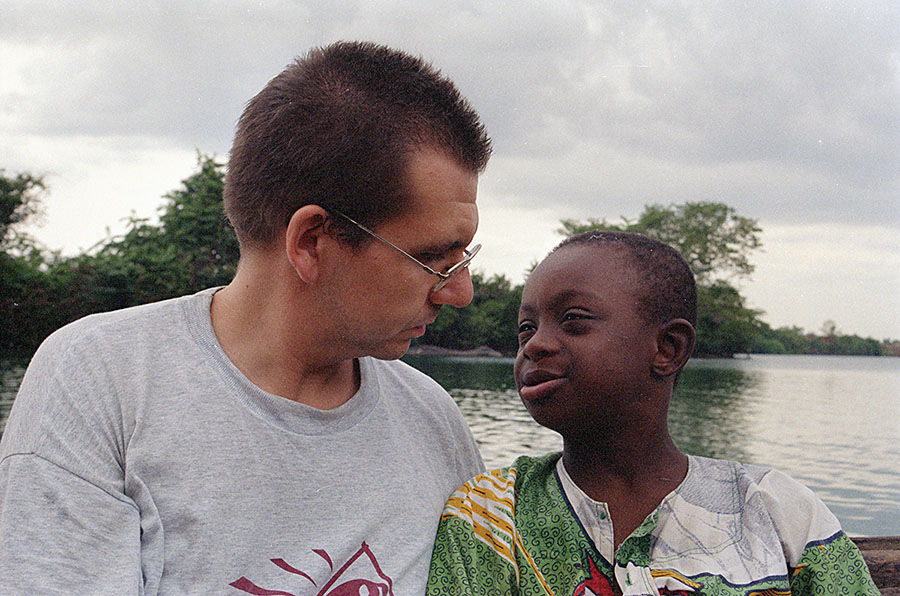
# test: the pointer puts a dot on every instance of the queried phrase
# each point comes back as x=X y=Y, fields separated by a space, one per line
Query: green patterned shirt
x=728 y=529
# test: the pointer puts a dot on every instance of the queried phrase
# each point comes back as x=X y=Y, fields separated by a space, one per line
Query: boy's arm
x=462 y=564
x=835 y=568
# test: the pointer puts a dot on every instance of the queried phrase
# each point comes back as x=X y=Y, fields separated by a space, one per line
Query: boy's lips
x=537 y=384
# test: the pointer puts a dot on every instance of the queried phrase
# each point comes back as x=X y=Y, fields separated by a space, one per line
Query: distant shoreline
x=428 y=350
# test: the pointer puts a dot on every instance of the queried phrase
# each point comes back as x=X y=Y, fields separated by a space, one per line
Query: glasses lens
x=470 y=254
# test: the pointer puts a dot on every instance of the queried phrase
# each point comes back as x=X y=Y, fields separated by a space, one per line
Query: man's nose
x=458 y=292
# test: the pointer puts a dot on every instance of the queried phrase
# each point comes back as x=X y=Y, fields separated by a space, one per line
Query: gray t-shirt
x=138 y=460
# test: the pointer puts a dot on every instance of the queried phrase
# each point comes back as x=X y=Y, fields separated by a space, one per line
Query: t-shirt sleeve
x=60 y=534
x=66 y=524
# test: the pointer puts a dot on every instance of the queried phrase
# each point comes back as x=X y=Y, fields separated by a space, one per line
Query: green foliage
x=716 y=242
x=20 y=198
x=191 y=248
x=711 y=237
x=725 y=326
x=25 y=297
x=24 y=293
x=794 y=340
x=490 y=320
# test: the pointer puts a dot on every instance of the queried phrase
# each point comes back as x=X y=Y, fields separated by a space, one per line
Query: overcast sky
x=787 y=111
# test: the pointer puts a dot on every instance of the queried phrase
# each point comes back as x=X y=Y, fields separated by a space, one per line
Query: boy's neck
x=632 y=478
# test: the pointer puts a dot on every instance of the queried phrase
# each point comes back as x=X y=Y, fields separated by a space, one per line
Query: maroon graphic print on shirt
x=360 y=572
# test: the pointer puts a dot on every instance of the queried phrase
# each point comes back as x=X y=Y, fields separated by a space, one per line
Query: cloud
x=849 y=274
x=785 y=110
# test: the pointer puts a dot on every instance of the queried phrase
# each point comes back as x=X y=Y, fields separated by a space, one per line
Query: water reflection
x=832 y=423
x=709 y=412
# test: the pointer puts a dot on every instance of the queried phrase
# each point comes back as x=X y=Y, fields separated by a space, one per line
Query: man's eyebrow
x=440 y=249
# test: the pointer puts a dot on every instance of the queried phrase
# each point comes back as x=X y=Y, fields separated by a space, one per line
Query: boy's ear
x=304 y=239
x=674 y=344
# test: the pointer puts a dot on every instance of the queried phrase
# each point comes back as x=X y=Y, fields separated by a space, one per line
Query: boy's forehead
x=581 y=269
x=587 y=261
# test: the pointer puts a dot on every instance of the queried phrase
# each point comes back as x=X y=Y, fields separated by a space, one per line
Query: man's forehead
x=441 y=214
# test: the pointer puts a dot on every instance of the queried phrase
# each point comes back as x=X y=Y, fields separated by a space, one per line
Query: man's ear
x=674 y=344
x=304 y=238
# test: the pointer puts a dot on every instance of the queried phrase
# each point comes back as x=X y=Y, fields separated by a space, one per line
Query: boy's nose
x=540 y=345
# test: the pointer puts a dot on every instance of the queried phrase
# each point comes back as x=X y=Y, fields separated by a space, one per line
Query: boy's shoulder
x=485 y=506
x=756 y=495
x=728 y=476
x=497 y=490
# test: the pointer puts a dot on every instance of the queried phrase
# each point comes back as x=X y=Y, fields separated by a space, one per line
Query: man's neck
x=268 y=332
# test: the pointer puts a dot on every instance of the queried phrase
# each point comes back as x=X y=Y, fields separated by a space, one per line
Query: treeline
x=793 y=340
x=192 y=247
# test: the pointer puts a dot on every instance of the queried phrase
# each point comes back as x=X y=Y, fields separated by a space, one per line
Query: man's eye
x=430 y=258
x=525 y=328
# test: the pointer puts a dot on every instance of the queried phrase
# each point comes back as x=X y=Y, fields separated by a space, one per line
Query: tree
x=716 y=242
x=490 y=320
x=23 y=287
x=711 y=237
x=191 y=248
x=20 y=199
x=725 y=326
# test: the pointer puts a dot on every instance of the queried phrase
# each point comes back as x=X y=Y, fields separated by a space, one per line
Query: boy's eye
x=575 y=322
x=575 y=316
x=526 y=330
x=525 y=327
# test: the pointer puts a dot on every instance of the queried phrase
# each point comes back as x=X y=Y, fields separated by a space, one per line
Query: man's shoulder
x=117 y=333
x=396 y=374
x=142 y=318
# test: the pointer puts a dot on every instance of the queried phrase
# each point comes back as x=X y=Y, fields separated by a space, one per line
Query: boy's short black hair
x=668 y=289
x=336 y=129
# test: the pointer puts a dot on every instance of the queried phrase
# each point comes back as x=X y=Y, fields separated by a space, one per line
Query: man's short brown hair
x=336 y=129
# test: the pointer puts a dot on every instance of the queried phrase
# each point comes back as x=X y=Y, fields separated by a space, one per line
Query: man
x=249 y=439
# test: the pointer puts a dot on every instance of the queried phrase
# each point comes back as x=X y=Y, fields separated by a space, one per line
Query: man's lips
x=419 y=330
x=537 y=384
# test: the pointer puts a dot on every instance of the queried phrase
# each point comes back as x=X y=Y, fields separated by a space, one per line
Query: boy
x=605 y=326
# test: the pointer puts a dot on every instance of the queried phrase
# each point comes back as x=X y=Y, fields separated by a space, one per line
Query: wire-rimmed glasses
x=444 y=278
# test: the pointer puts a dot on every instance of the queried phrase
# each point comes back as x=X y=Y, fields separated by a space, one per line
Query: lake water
x=831 y=422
